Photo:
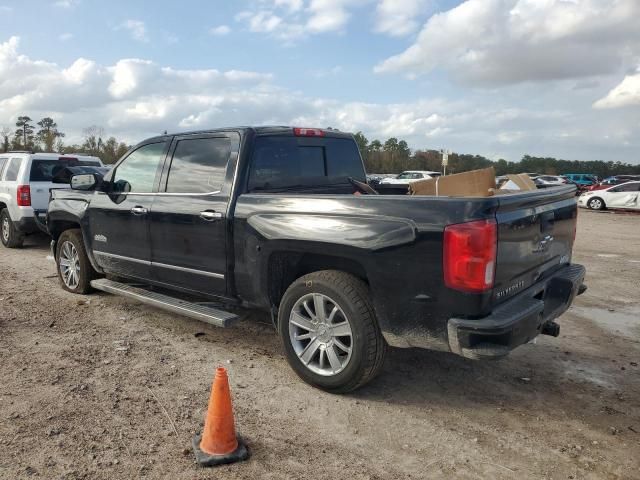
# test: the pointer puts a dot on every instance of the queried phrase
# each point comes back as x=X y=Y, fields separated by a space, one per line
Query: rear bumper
x=518 y=320
x=26 y=225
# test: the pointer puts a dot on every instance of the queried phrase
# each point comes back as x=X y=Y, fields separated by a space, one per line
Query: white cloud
x=136 y=98
x=292 y=19
x=220 y=30
x=291 y=5
x=494 y=42
x=6 y=9
x=626 y=94
x=399 y=17
x=66 y=3
x=136 y=28
x=65 y=36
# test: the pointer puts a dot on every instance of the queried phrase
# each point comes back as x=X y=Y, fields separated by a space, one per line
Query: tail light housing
x=24 y=196
x=469 y=255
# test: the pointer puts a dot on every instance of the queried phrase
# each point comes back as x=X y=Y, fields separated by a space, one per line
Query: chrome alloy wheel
x=320 y=334
x=595 y=204
x=5 y=229
x=69 y=262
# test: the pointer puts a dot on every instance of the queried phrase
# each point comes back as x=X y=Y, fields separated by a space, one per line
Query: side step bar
x=198 y=311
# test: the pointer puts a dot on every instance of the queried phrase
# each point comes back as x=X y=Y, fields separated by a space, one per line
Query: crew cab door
x=189 y=215
x=119 y=217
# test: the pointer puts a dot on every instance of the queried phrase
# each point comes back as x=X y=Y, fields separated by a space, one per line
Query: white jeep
x=25 y=181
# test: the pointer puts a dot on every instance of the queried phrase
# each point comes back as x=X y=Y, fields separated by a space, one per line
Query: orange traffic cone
x=218 y=443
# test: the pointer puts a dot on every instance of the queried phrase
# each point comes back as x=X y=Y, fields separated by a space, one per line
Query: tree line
x=395 y=156
x=390 y=156
x=44 y=136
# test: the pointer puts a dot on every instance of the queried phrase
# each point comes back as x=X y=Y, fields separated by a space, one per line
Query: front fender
x=65 y=213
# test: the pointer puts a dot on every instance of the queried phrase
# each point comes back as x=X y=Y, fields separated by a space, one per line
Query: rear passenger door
x=189 y=215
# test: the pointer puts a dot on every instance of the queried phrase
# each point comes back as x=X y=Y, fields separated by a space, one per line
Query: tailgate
x=536 y=231
x=40 y=194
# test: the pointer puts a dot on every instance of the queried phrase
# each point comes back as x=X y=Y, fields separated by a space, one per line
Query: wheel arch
x=60 y=225
x=604 y=204
x=284 y=268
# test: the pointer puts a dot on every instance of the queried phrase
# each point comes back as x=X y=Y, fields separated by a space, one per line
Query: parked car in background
x=25 y=181
x=405 y=178
x=544 y=181
x=374 y=179
x=625 y=196
x=611 y=181
x=582 y=179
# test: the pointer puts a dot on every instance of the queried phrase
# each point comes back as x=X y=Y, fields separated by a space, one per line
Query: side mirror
x=84 y=181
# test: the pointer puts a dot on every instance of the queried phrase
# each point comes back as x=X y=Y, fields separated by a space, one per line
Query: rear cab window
x=43 y=170
x=282 y=162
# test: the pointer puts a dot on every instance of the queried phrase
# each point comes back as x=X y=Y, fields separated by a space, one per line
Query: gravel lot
x=97 y=386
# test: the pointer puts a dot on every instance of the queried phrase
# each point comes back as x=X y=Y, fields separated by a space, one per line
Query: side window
x=625 y=187
x=13 y=169
x=199 y=165
x=137 y=173
x=3 y=162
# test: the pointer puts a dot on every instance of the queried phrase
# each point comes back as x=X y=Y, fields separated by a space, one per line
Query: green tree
x=113 y=150
x=363 y=143
x=24 y=133
x=92 y=144
x=375 y=146
x=4 y=136
x=403 y=148
x=48 y=133
x=391 y=145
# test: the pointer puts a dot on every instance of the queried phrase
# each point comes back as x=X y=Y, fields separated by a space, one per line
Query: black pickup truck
x=280 y=219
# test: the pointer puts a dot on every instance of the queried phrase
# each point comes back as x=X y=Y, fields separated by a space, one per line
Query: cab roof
x=259 y=130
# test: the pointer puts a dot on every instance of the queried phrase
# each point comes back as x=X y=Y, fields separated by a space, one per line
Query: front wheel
x=596 y=204
x=74 y=269
x=329 y=331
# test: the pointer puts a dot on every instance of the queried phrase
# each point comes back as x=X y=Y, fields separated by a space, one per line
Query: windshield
x=296 y=162
x=45 y=170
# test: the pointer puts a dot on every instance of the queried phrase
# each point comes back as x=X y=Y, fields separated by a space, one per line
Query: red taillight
x=308 y=132
x=24 y=196
x=469 y=259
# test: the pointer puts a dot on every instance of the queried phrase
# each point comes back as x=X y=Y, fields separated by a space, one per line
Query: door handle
x=210 y=215
x=139 y=211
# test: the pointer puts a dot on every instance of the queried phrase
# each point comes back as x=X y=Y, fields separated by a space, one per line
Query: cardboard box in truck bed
x=475 y=183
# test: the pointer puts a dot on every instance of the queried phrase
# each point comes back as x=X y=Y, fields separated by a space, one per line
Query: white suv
x=25 y=180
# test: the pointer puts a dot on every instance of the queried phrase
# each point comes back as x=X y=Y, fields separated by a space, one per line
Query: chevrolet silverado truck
x=281 y=219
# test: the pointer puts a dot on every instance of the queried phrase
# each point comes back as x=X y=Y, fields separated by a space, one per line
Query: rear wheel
x=596 y=204
x=10 y=237
x=329 y=331
x=74 y=269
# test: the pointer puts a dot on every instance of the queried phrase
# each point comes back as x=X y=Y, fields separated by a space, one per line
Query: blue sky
x=500 y=78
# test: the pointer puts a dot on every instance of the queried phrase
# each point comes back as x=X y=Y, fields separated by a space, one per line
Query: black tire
x=368 y=347
x=11 y=238
x=85 y=272
x=596 y=203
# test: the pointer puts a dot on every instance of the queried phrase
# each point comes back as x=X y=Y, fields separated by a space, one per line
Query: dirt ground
x=97 y=387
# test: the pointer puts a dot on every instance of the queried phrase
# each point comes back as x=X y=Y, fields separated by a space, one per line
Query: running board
x=201 y=312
